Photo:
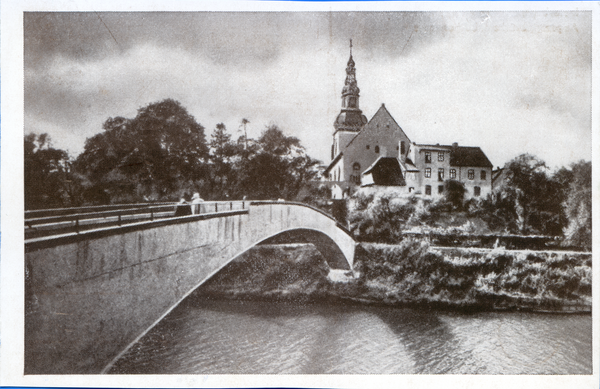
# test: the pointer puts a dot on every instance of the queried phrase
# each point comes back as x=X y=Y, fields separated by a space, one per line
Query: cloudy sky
x=509 y=82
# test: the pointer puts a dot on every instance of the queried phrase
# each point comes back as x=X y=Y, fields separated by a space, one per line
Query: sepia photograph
x=278 y=190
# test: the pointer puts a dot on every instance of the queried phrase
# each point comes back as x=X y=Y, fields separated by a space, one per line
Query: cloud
x=508 y=82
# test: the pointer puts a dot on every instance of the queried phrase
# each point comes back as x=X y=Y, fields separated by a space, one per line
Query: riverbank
x=412 y=274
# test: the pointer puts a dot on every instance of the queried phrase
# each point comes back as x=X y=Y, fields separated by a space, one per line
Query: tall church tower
x=351 y=119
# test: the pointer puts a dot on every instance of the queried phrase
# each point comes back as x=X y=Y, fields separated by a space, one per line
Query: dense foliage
x=529 y=201
x=49 y=181
x=162 y=155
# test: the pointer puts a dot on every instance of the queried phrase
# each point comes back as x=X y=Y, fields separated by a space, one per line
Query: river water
x=204 y=336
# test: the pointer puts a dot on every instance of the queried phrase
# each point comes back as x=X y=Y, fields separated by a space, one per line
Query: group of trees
x=532 y=200
x=161 y=155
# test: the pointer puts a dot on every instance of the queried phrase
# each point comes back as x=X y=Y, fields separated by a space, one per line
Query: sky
x=508 y=82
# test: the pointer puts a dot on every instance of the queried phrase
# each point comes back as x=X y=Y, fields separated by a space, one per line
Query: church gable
x=381 y=134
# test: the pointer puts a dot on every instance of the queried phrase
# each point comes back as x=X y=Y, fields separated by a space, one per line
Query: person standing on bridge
x=196 y=200
x=183 y=208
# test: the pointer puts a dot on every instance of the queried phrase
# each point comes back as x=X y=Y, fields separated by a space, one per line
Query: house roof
x=386 y=171
x=462 y=155
x=468 y=156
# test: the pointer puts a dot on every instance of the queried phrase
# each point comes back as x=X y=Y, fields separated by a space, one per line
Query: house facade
x=378 y=152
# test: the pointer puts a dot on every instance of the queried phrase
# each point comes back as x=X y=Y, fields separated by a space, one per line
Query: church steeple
x=351 y=117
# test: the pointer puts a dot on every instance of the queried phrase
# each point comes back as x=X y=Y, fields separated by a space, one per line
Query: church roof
x=332 y=163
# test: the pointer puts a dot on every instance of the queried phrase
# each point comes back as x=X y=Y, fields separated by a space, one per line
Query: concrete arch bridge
x=90 y=294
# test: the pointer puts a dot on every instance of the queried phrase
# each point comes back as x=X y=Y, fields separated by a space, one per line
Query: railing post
x=119 y=220
x=151 y=214
x=216 y=209
x=77 y=225
x=230 y=205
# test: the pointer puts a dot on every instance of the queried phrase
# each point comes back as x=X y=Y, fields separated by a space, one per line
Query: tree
x=454 y=193
x=155 y=155
x=578 y=207
x=529 y=186
x=276 y=168
x=49 y=182
x=223 y=150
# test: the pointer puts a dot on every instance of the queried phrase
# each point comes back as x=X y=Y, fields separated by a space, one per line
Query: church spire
x=351 y=117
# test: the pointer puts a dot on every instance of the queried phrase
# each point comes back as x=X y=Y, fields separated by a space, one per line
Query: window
x=477 y=191
x=428 y=172
x=441 y=174
x=453 y=173
x=397 y=148
x=428 y=190
x=427 y=157
x=402 y=148
x=355 y=179
x=356 y=167
x=471 y=174
x=441 y=189
x=483 y=175
x=440 y=156
x=411 y=189
x=368 y=147
x=376 y=149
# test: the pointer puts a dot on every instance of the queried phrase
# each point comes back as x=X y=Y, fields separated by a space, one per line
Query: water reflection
x=204 y=336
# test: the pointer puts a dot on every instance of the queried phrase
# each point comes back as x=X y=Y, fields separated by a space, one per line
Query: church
x=379 y=152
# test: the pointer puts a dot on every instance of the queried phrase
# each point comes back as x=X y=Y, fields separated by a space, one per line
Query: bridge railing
x=68 y=220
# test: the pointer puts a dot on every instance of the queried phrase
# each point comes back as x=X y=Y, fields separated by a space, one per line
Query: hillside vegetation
x=412 y=273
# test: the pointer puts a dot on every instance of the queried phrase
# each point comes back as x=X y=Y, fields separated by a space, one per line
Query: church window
x=368 y=147
x=376 y=149
x=440 y=189
x=428 y=190
x=477 y=191
x=356 y=167
x=352 y=102
x=441 y=174
x=427 y=157
x=471 y=174
x=441 y=156
x=428 y=172
x=483 y=175
x=452 y=173
x=402 y=148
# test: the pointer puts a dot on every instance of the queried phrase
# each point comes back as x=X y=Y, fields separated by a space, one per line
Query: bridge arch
x=148 y=268
x=328 y=248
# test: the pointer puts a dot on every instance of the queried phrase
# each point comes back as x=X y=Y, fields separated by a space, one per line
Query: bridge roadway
x=91 y=295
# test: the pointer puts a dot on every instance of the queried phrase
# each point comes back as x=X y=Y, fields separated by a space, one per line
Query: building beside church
x=378 y=152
